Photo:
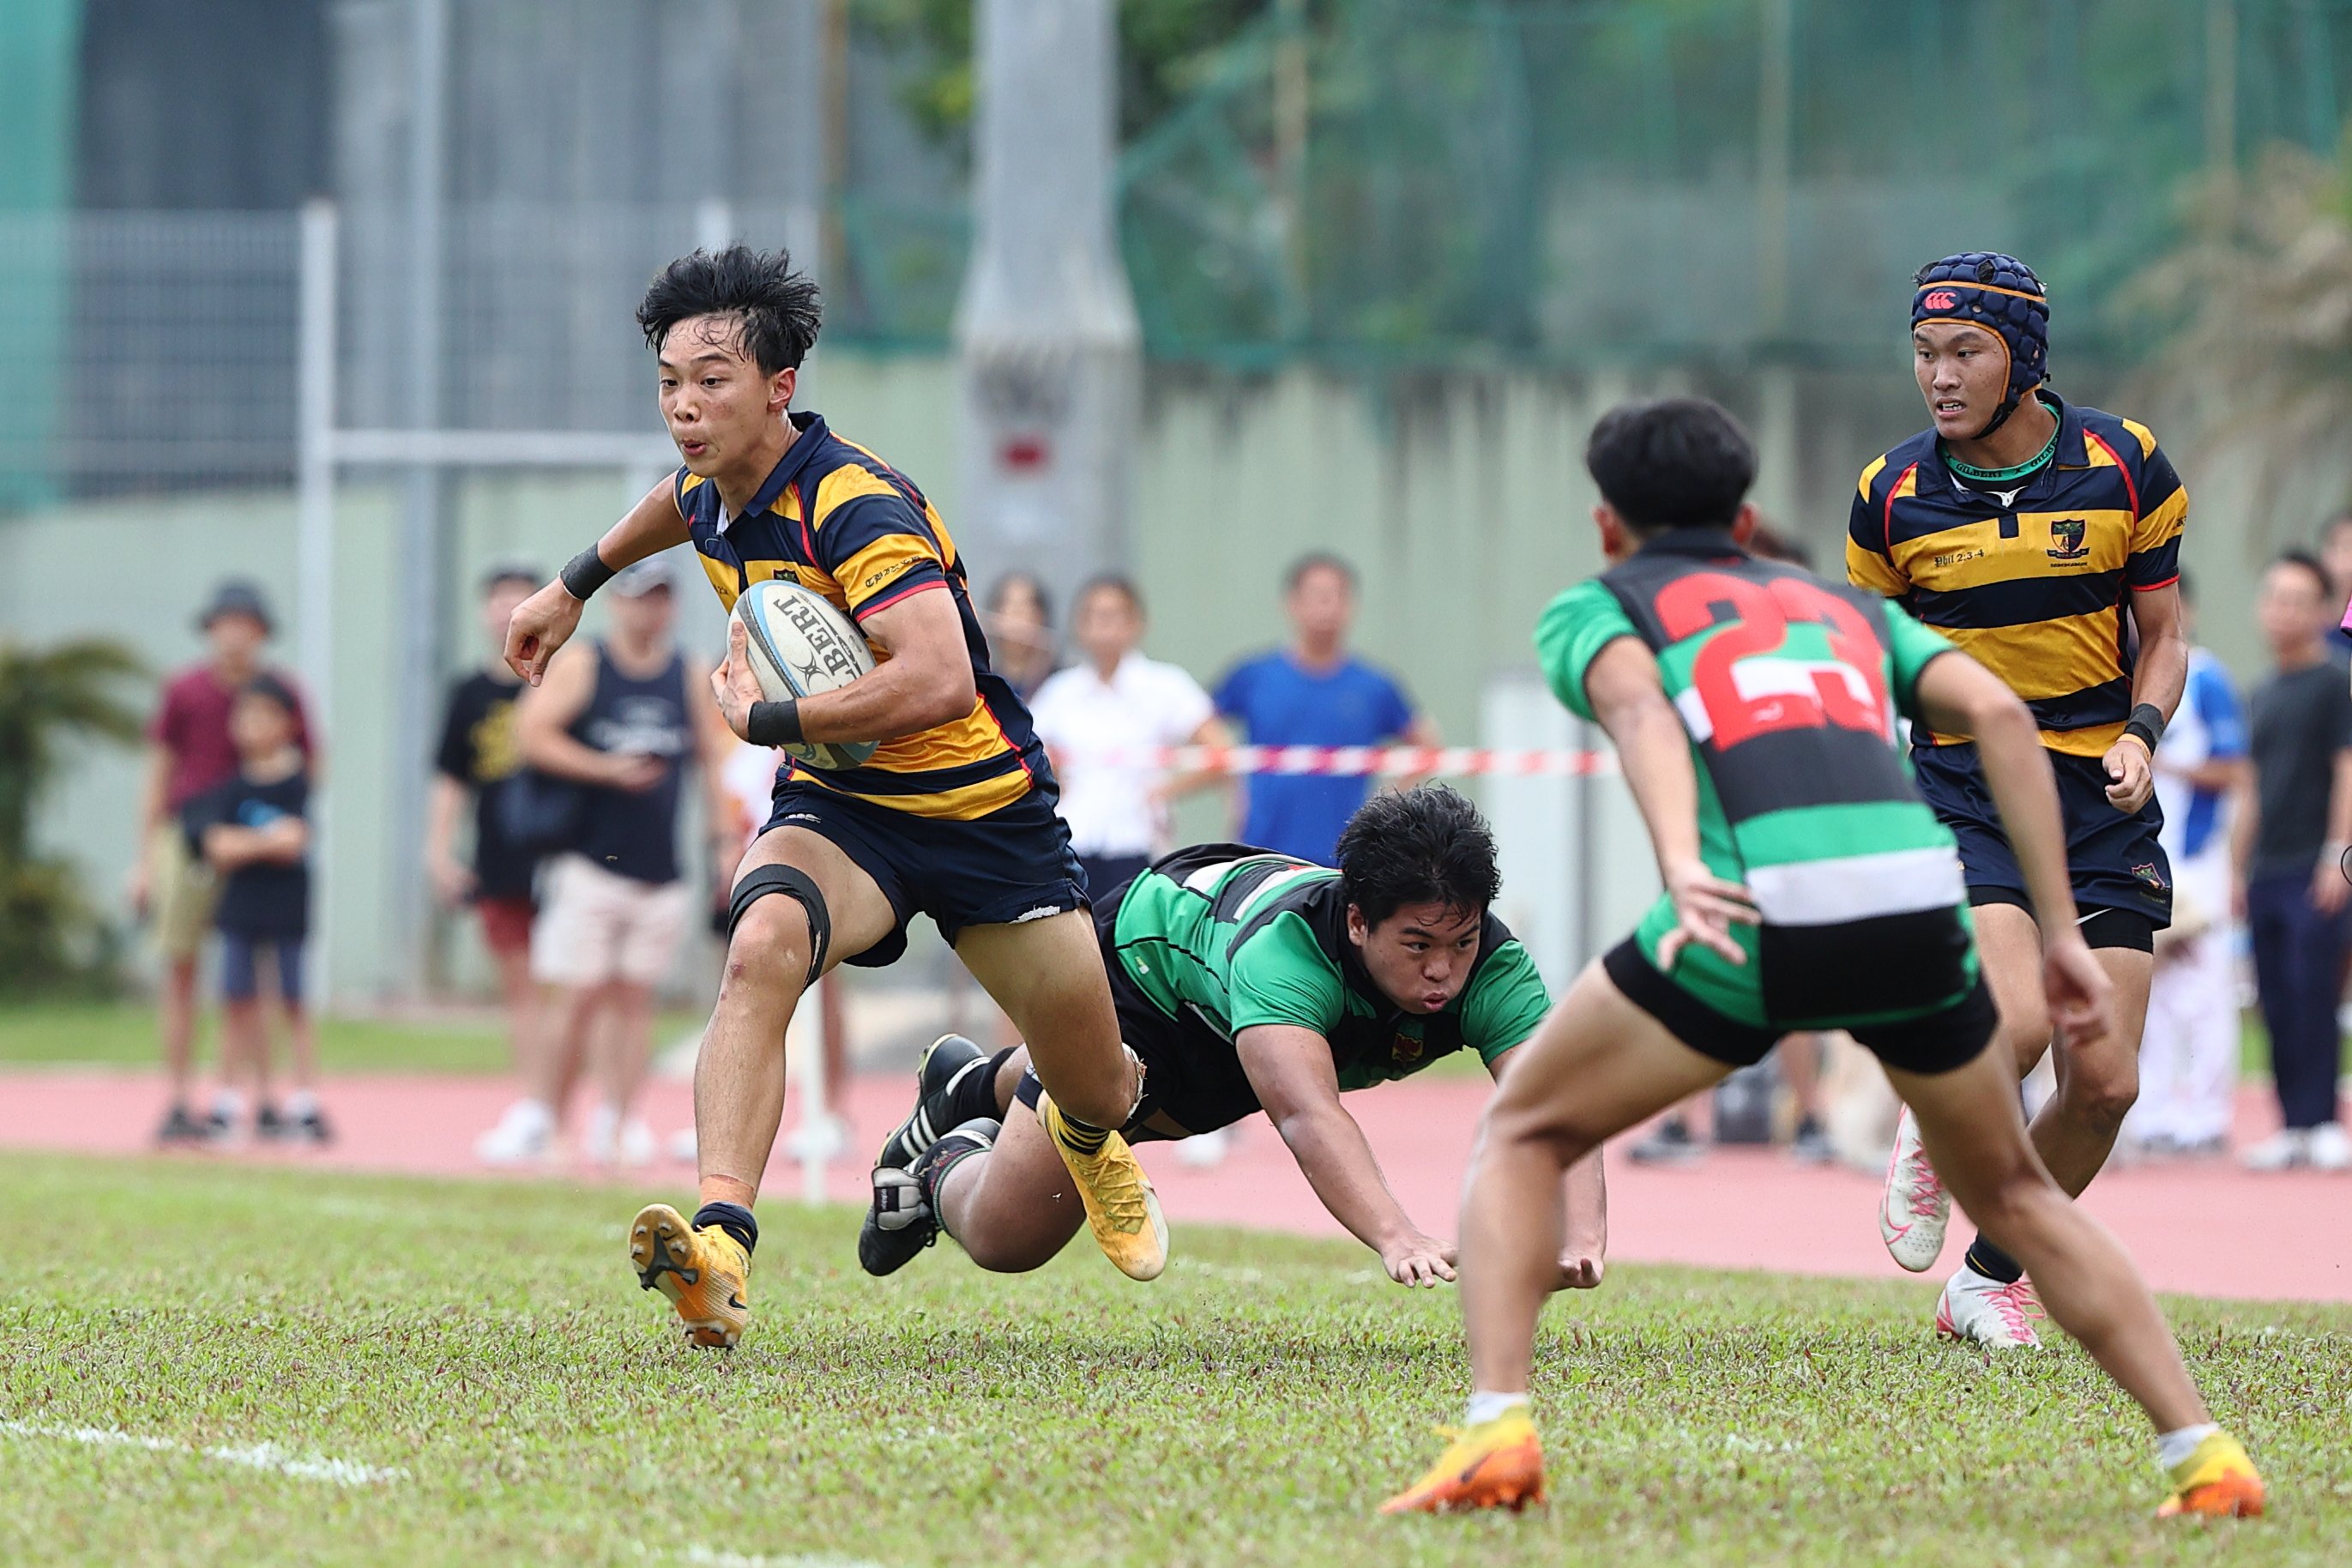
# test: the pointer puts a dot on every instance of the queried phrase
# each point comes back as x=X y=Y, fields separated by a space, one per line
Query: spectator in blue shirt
x=1313 y=693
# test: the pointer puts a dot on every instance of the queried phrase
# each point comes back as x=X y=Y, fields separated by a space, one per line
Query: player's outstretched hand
x=2133 y=772
x=540 y=625
x=1579 y=1270
x=732 y=684
x=1706 y=909
x=2081 y=996
x=1418 y=1259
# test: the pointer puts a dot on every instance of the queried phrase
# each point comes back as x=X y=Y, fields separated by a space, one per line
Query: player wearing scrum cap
x=2043 y=538
x=952 y=816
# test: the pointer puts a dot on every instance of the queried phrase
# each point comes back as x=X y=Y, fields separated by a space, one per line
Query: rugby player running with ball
x=1807 y=887
x=952 y=816
x=1249 y=980
x=2043 y=540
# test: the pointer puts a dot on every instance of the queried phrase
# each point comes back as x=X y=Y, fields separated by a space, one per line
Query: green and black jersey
x=1788 y=688
x=1222 y=937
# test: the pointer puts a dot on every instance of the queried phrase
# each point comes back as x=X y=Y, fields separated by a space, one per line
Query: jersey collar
x=788 y=467
x=2073 y=451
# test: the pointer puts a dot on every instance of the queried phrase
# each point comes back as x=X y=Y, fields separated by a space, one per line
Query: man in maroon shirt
x=190 y=751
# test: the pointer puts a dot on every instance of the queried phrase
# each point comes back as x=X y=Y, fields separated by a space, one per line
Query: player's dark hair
x=1319 y=561
x=1110 y=583
x=507 y=572
x=775 y=306
x=1680 y=462
x=1427 y=844
x=1002 y=589
x=270 y=689
x=2309 y=562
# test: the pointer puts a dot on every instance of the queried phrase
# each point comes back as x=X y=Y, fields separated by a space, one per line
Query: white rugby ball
x=800 y=644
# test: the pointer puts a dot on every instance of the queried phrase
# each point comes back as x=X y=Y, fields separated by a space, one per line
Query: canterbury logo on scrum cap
x=1941 y=299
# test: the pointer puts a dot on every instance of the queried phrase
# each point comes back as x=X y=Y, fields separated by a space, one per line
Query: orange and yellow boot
x=2217 y=1482
x=1496 y=1464
x=704 y=1273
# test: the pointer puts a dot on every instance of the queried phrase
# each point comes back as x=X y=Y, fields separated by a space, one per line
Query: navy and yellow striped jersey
x=835 y=518
x=2030 y=581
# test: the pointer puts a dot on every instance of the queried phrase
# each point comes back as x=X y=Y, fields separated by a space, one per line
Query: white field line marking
x=252 y=1456
x=712 y=1557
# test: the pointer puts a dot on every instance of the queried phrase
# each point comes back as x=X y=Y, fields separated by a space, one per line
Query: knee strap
x=761 y=881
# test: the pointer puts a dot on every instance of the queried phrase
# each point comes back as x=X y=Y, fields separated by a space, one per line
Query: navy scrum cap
x=1999 y=293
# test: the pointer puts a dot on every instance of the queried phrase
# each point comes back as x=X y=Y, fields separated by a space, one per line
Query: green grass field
x=487 y=1343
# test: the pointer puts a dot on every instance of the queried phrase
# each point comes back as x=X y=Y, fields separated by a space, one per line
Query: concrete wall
x=1460 y=497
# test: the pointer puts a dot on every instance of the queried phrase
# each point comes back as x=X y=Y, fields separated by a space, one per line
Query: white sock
x=227 y=1104
x=2173 y=1449
x=1485 y=1407
x=302 y=1103
x=533 y=1114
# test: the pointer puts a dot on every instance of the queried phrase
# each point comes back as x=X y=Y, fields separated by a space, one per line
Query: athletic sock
x=1485 y=1407
x=972 y=1096
x=1082 y=1137
x=2174 y=1449
x=302 y=1103
x=1993 y=1263
x=227 y=1104
x=734 y=1219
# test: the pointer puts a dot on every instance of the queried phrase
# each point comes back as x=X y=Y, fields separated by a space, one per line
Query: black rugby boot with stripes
x=947 y=1062
x=904 y=1217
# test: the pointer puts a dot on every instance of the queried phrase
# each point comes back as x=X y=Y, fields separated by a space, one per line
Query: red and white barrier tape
x=1377 y=762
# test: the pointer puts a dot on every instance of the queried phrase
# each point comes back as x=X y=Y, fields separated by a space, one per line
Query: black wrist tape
x=2147 y=722
x=774 y=723
x=584 y=573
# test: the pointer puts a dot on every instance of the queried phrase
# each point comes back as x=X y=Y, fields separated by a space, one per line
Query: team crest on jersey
x=2066 y=539
x=1405 y=1049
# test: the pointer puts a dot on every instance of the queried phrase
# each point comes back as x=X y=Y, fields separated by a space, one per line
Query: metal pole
x=314 y=539
x=419 y=562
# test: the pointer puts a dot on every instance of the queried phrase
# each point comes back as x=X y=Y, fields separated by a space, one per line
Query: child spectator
x=253 y=831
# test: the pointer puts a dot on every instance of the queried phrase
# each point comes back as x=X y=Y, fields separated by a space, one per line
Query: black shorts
x=2112 y=858
x=2107 y=927
x=1192 y=1074
x=1013 y=864
x=1935 y=1042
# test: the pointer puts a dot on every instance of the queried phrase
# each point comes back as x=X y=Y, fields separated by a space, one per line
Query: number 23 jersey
x=1789 y=688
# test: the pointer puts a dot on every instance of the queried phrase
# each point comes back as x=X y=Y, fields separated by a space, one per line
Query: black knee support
x=761 y=881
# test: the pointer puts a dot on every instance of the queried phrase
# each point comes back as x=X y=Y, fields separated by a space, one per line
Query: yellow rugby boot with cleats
x=1122 y=1210
x=705 y=1274
x=2217 y=1482
x=1496 y=1464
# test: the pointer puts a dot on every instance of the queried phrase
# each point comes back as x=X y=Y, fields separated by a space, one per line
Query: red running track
x=2206 y=1229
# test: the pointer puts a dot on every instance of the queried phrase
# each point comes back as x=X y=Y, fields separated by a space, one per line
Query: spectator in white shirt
x=1099 y=719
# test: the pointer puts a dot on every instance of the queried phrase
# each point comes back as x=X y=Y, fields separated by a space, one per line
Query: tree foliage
x=1164 y=45
x=51 y=699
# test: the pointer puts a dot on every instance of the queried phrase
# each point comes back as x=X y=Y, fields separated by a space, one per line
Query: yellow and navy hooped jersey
x=835 y=518
x=2032 y=582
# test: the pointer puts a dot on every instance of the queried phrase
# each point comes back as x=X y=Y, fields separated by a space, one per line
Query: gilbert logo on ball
x=799 y=644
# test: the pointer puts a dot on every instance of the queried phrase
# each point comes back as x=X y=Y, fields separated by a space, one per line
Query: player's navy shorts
x=2122 y=882
x=1192 y=1074
x=1015 y=864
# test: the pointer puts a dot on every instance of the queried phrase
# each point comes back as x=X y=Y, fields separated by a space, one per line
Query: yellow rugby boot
x=1121 y=1208
x=703 y=1273
x=2217 y=1482
x=1496 y=1464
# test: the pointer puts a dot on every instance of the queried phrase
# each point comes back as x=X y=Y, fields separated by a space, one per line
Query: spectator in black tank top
x=624 y=718
x=477 y=757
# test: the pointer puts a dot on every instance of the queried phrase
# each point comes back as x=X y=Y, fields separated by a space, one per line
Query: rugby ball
x=799 y=644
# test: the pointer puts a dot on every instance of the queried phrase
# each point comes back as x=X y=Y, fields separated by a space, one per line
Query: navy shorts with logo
x=1014 y=864
x=2112 y=858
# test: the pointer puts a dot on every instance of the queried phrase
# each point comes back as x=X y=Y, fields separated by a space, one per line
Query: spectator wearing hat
x=190 y=750
x=476 y=759
x=622 y=718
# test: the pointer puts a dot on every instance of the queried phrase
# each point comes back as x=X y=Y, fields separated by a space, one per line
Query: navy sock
x=734 y=1219
x=974 y=1096
x=1084 y=1137
x=1993 y=1263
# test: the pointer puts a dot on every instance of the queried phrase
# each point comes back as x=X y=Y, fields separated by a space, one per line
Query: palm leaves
x=50 y=697
x=2258 y=299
